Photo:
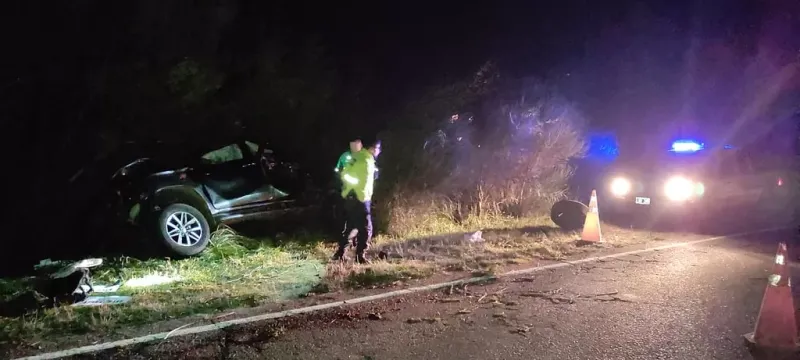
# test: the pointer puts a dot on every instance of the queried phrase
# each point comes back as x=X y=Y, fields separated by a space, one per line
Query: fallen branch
x=224 y=315
x=549 y=296
x=598 y=295
x=449 y=300
x=482 y=297
x=176 y=329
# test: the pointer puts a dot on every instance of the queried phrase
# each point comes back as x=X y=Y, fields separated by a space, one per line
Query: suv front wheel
x=183 y=229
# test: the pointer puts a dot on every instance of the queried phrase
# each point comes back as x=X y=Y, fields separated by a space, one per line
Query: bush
x=500 y=148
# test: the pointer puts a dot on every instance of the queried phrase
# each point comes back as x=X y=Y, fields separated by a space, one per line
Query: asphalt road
x=693 y=302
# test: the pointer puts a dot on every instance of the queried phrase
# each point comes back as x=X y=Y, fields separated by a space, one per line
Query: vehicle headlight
x=620 y=186
x=680 y=188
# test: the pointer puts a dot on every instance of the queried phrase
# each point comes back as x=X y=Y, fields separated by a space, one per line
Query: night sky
x=599 y=52
x=625 y=63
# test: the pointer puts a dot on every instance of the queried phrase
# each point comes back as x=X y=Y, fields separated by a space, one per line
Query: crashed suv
x=179 y=200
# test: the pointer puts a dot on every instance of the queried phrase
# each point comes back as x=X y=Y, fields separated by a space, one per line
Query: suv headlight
x=620 y=186
x=679 y=188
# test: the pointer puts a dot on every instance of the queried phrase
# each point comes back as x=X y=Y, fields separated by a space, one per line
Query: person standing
x=358 y=180
x=347 y=157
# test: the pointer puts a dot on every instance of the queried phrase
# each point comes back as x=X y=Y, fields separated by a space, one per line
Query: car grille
x=642 y=187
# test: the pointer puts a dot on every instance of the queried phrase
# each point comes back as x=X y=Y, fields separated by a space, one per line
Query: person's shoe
x=361 y=259
x=339 y=256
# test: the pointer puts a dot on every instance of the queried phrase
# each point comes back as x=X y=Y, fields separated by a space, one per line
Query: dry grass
x=424 y=238
x=428 y=215
x=515 y=241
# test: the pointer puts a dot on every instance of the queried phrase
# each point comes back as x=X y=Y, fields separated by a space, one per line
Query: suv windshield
x=657 y=164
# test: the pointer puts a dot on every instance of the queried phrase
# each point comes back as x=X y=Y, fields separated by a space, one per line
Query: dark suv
x=179 y=200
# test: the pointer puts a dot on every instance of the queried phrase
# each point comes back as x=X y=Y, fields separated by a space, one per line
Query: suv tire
x=183 y=230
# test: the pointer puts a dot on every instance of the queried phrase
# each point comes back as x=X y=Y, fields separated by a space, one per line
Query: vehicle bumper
x=648 y=206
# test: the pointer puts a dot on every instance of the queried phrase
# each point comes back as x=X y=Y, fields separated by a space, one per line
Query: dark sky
x=623 y=62
x=637 y=57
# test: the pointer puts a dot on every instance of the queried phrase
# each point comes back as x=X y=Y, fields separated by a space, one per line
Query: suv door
x=279 y=174
x=265 y=163
x=229 y=176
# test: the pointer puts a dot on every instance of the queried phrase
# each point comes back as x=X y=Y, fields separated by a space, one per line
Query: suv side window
x=226 y=154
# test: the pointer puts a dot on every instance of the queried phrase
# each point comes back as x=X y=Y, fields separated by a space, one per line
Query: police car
x=690 y=178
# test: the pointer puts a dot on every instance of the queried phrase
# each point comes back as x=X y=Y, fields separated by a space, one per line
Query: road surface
x=693 y=302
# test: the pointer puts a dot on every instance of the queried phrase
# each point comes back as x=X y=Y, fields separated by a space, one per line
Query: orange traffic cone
x=591 y=227
x=776 y=326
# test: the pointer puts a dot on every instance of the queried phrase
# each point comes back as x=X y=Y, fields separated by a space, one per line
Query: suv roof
x=706 y=161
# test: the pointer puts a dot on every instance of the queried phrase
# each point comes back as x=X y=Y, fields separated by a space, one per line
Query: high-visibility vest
x=345 y=159
x=359 y=176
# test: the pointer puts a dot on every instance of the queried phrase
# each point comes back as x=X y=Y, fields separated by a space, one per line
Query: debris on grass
x=474 y=237
x=103 y=301
x=102 y=288
x=151 y=280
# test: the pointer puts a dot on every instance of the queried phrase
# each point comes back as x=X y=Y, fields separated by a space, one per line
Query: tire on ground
x=178 y=249
x=569 y=214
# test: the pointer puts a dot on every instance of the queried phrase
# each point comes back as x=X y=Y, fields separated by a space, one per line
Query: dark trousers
x=357 y=217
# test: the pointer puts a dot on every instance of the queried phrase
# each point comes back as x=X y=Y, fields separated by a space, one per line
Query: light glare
x=620 y=187
x=679 y=188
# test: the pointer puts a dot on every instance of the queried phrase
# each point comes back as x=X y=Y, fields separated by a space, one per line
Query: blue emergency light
x=686 y=146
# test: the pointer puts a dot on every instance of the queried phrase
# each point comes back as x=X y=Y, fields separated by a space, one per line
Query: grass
x=237 y=271
x=234 y=272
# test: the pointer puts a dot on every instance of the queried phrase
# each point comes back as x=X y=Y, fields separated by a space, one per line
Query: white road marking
x=309 y=309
